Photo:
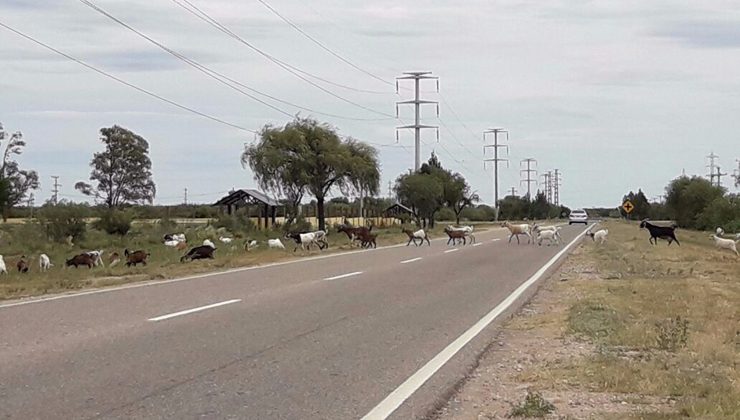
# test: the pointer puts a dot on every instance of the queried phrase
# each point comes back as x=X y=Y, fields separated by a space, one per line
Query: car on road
x=578 y=216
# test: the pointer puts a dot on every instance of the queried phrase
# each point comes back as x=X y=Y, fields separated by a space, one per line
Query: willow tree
x=15 y=183
x=308 y=157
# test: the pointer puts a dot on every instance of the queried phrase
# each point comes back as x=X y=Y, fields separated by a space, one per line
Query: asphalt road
x=324 y=338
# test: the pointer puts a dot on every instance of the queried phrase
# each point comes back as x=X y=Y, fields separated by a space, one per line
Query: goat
x=550 y=235
x=354 y=232
x=660 y=232
x=725 y=243
x=80 y=259
x=44 y=262
x=720 y=232
x=304 y=240
x=225 y=239
x=198 y=253
x=275 y=243
x=413 y=236
x=536 y=229
x=171 y=243
x=250 y=244
x=459 y=233
x=517 y=230
x=97 y=257
x=3 y=269
x=181 y=246
x=136 y=257
x=207 y=242
x=366 y=238
x=599 y=235
x=114 y=259
x=22 y=265
x=179 y=237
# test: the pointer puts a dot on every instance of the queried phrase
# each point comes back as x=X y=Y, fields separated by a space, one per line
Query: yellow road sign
x=628 y=206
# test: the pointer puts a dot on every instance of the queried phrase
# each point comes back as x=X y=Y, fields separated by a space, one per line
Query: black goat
x=660 y=232
x=198 y=253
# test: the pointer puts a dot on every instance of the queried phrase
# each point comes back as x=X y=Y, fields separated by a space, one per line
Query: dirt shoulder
x=624 y=330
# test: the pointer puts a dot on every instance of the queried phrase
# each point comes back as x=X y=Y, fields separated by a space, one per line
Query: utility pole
x=55 y=191
x=548 y=185
x=513 y=191
x=495 y=160
x=712 y=157
x=185 y=198
x=529 y=180
x=390 y=190
x=719 y=176
x=30 y=203
x=417 y=101
x=556 y=184
x=736 y=174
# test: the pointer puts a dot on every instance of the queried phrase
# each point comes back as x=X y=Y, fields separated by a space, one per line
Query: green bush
x=236 y=222
x=115 y=222
x=299 y=224
x=63 y=220
x=534 y=405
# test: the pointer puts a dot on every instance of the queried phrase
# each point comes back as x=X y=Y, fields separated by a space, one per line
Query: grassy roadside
x=626 y=330
x=162 y=264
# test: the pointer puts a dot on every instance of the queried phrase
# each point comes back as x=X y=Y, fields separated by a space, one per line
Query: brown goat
x=22 y=265
x=456 y=235
x=181 y=246
x=114 y=259
x=136 y=257
x=81 y=259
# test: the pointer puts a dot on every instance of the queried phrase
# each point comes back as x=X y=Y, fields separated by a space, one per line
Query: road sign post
x=627 y=206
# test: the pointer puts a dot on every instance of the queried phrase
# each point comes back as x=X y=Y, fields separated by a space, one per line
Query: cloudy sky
x=617 y=95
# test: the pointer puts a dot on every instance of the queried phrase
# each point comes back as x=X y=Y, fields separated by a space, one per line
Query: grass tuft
x=534 y=405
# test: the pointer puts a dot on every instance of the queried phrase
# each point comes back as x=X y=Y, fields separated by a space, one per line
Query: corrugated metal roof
x=241 y=195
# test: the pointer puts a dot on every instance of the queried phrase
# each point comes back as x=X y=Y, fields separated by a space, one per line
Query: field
x=625 y=330
x=19 y=239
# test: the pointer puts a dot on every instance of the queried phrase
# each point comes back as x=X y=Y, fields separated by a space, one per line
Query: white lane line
x=343 y=276
x=415 y=381
x=190 y=311
x=478 y=244
x=411 y=260
x=494 y=240
x=451 y=250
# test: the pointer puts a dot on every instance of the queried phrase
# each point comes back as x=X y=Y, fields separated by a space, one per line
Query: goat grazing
x=724 y=243
x=275 y=243
x=80 y=259
x=413 y=236
x=250 y=244
x=225 y=239
x=114 y=259
x=660 y=232
x=599 y=236
x=517 y=230
x=3 y=269
x=44 y=262
x=22 y=265
x=179 y=237
x=136 y=257
x=199 y=253
x=171 y=243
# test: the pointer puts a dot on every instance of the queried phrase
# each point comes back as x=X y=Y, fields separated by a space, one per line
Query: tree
x=123 y=171
x=422 y=193
x=306 y=156
x=686 y=198
x=641 y=206
x=15 y=183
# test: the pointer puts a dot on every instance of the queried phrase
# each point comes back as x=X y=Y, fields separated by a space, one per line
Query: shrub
x=236 y=222
x=672 y=334
x=534 y=405
x=62 y=221
x=115 y=222
x=298 y=224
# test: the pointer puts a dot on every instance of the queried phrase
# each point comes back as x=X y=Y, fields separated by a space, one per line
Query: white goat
x=599 y=236
x=249 y=245
x=275 y=243
x=173 y=243
x=517 y=230
x=720 y=232
x=44 y=262
x=725 y=243
x=536 y=229
x=225 y=240
x=207 y=242
x=466 y=230
x=550 y=235
x=3 y=269
x=97 y=256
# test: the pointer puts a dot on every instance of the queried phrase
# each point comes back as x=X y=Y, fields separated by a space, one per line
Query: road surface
x=323 y=338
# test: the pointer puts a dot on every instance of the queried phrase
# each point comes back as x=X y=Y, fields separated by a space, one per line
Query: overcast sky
x=617 y=95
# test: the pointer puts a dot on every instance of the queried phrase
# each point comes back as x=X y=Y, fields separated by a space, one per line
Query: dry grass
x=664 y=321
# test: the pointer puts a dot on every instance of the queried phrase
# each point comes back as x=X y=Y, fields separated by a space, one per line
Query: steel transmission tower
x=495 y=146
x=529 y=180
x=712 y=157
x=513 y=191
x=556 y=184
x=417 y=101
x=736 y=174
x=55 y=191
x=547 y=182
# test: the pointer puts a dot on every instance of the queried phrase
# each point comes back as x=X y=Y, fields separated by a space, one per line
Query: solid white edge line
x=341 y=276
x=394 y=400
x=190 y=311
x=205 y=275
x=411 y=260
x=452 y=250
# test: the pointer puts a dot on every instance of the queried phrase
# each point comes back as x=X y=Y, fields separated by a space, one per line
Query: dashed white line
x=411 y=260
x=394 y=400
x=494 y=240
x=478 y=244
x=190 y=311
x=341 y=276
x=452 y=250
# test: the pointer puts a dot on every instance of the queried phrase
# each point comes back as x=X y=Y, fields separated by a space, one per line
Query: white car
x=578 y=216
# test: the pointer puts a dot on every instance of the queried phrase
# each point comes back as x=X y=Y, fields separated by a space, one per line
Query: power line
x=123 y=82
x=195 y=11
x=324 y=47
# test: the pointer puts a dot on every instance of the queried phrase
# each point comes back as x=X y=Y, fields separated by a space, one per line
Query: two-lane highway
x=326 y=338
